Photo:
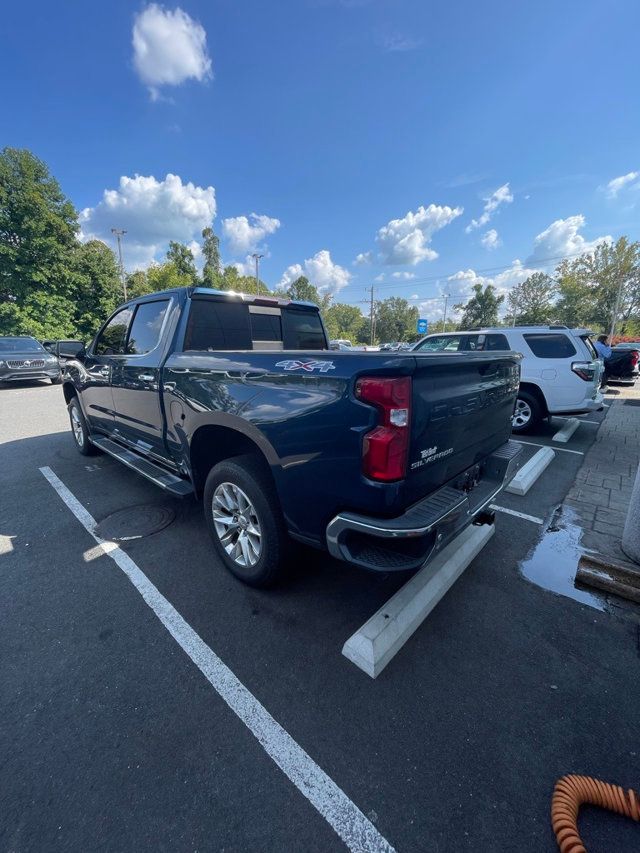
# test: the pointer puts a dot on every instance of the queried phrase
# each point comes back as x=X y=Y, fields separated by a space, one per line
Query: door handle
x=146 y=377
x=104 y=371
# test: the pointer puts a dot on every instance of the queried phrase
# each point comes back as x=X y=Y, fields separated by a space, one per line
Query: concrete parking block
x=375 y=644
x=529 y=473
x=563 y=435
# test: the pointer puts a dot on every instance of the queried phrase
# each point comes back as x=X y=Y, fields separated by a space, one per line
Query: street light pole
x=444 y=316
x=119 y=234
x=372 y=319
x=256 y=257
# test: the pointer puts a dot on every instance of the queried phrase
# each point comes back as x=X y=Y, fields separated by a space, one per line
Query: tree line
x=53 y=285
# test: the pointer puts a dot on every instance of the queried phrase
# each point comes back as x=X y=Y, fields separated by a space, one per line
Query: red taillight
x=635 y=356
x=385 y=448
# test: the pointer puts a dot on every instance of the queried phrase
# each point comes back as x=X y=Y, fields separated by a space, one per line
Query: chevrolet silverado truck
x=379 y=458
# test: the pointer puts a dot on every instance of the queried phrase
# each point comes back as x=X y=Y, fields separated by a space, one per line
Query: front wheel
x=527 y=415
x=243 y=516
x=79 y=429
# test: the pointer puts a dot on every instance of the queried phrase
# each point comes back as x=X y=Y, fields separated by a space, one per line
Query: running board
x=169 y=482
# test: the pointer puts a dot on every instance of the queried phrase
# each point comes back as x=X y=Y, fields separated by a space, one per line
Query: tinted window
x=496 y=342
x=146 y=326
x=589 y=346
x=19 y=345
x=265 y=327
x=217 y=325
x=550 y=346
x=302 y=330
x=112 y=337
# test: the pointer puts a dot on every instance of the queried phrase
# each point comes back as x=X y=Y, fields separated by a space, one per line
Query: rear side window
x=550 y=346
x=496 y=343
x=146 y=327
x=112 y=337
x=441 y=343
x=216 y=325
x=302 y=330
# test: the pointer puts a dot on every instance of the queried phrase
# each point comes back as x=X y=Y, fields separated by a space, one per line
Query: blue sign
x=423 y=326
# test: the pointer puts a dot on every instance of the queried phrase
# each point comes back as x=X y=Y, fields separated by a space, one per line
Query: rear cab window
x=216 y=325
x=550 y=345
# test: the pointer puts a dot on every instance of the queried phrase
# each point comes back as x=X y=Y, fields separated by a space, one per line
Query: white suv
x=561 y=371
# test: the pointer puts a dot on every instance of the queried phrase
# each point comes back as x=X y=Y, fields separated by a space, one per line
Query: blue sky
x=375 y=128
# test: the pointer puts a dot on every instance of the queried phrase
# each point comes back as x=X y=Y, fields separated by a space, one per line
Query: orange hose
x=571 y=792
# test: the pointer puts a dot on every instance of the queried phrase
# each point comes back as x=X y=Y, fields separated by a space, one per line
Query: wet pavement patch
x=135 y=522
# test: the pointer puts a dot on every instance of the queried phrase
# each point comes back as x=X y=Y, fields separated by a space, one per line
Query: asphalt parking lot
x=112 y=739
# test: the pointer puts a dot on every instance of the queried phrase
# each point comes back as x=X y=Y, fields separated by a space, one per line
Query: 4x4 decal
x=309 y=366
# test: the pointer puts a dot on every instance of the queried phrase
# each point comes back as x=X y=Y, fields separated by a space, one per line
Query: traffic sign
x=423 y=326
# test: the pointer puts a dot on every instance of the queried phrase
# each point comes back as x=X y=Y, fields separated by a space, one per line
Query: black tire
x=57 y=380
x=261 y=524
x=79 y=429
x=528 y=413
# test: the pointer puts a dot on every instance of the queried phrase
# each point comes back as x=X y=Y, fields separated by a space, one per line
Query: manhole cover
x=135 y=522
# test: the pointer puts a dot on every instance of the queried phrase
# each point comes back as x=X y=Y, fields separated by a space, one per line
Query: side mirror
x=71 y=349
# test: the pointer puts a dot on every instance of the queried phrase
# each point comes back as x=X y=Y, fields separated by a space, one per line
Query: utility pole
x=614 y=319
x=372 y=318
x=119 y=234
x=444 y=316
x=256 y=257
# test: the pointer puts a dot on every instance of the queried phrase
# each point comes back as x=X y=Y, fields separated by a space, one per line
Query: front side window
x=112 y=337
x=550 y=345
x=146 y=327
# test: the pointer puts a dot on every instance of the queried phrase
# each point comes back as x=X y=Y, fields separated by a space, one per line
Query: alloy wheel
x=76 y=426
x=522 y=414
x=237 y=524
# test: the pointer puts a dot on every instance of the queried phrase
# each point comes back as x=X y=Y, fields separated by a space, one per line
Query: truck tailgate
x=462 y=407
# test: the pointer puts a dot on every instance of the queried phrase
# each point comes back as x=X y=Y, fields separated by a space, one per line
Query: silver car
x=23 y=358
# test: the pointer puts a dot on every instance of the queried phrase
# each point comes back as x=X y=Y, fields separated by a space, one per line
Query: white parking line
x=535 y=444
x=517 y=514
x=357 y=832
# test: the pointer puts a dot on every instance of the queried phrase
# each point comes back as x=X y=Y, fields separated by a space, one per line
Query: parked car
x=23 y=358
x=623 y=364
x=560 y=372
x=339 y=343
x=379 y=459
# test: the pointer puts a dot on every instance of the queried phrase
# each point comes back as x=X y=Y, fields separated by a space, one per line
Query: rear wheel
x=243 y=516
x=527 y=415
x=79 y=429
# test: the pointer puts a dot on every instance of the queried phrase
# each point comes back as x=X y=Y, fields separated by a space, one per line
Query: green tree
x=138 y=284
x=574 y=299
x=97 y=288
x=344 y=321
x=181 y=257
x=531 y=302
x=41 y=314
x=211 y=251
x=38 y=227
x=395 y=320
x=481 y=309
x=302 y=290
x=603 y=271
x=166 y=276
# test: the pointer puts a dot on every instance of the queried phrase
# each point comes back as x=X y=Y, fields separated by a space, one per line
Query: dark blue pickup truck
x=380 y=458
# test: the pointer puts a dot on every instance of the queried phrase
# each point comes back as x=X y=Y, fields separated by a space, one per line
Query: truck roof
x=258 y=298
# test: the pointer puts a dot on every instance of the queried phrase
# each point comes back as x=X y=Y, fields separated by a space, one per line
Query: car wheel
x=57 y=379
x=244 y=519
x=527 y=414
x=79 y=429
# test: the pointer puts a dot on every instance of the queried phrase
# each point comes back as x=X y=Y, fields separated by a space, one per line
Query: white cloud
x=398 y=43
x=379 y=278
x=245 y=233
x=562 y=238
x=629 y=181
x=406 y=240
x=152 y=212
x=363 y=259
x=404 y=276
x=490 y=239
x=169 y=47
x=502 y=195
x=414 y=296
x=321 y=271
